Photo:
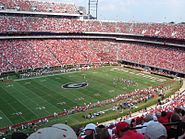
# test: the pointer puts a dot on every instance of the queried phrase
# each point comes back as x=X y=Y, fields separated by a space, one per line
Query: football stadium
x=65 y=74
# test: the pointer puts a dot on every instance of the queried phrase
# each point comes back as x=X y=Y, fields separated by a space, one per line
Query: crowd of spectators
x=40 y=24
x=53 y=24
x=151 y=123
x=175 y=101
x=24 y=54
x=162 y=57
x=38 y=6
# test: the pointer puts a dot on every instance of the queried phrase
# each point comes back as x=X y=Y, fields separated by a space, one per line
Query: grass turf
x=24 y=100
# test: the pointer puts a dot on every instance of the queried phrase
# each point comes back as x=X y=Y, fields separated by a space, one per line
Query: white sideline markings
x=153 y=79
x=96 y=95
x=10 y=85
x=17 y=113
x=5 y=117
x=111 y=91
x=61 y=103
x=40 y=108
x=80 y=98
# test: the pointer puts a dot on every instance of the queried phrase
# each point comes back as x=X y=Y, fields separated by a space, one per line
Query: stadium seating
x=18 y=55
x=50 y=24
x=38 y=6
x=162 y=57
x=39 y=24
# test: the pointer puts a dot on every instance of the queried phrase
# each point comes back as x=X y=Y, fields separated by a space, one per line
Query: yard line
x=23 y=103
x=14 y=109
x=43 y=100
x=6 y=102
x=60 y=94
x=35 y=102
x=10 y=122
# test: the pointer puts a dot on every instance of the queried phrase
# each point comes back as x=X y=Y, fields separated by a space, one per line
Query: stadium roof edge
x=113 y=33
x=92 y=37
x=57 y=2
x=38 y=13
x=151 y=42
x=55 y=37
x=131 y=22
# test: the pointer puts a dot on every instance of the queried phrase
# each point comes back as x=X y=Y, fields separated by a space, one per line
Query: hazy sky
x=137 y=10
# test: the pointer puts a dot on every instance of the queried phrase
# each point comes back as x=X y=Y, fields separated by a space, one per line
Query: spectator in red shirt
x=164 y=119
x=123 y=132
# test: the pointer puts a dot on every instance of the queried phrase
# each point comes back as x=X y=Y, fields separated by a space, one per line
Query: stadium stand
x=50 y=53
x=150 y=122
x=21 y=54
x=163 y=57
x=52 y=24
x=39 y=24
x=38 y=6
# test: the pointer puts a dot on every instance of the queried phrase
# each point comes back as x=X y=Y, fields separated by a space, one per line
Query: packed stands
x=170 y=110
x=40 y=53
x=38 y=6
x=52 y=24
x=152 y=55
x=20 y=54
x=24 y=54
x=39 y=24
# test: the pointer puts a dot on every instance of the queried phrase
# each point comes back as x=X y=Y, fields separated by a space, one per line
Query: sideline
x=138 y=113
x=43 y=76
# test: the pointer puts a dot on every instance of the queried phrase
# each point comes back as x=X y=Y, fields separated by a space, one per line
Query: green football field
x=28 y=99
